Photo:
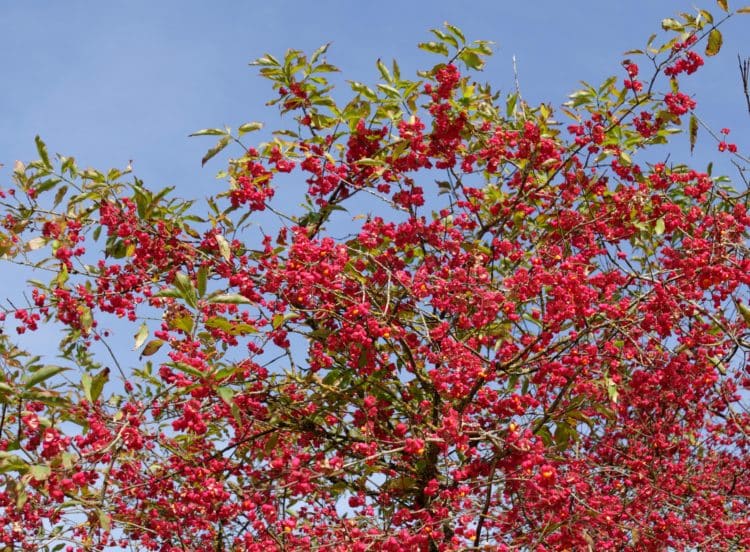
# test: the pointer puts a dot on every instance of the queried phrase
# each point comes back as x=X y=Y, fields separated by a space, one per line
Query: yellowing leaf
x=670 y=24
x=723 y=4
x=152 y=346
x=715 y=40
x=693 y=132
x=220 y=145
x=40 y=472
x=42 y=149
x=249 y=127
x=209 y=132
x=35 y=243
x=744 y=312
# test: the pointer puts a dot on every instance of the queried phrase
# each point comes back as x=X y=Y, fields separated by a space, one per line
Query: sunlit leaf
x=715 y=40
x=220 y=145
x=152 y=347
x=230 y=298
x=249 y=127
x=210 y=132
x=224 y=248
x=140 y=336
x=41 y=147
x=693 y=132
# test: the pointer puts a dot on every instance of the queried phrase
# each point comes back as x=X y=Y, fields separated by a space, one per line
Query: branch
x=745 y=78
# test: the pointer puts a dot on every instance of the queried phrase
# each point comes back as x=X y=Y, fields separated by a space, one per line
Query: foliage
x=536 y=339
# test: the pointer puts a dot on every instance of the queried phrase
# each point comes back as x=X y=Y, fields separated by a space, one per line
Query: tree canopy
x=489 y=325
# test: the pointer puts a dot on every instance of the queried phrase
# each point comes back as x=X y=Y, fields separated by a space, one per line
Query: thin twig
x=745 y=77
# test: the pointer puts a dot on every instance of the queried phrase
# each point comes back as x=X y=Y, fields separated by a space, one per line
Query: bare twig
x=745 y=77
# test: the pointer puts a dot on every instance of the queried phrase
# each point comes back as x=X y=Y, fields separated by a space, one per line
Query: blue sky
x=108 y=82
x=112 y=81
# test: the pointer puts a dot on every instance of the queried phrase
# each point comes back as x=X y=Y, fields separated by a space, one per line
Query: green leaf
x=40 y=472
x=715 y=40
x=319 y=52
x=564 y=434
x=97 y=384
x=44 y=373
x=659 y=226
x=693 y=132
x=140 y=336
x=385 y=73
x=182 y=367
x=226 y=394
x=169 y=292
x=202 y=278
x=471 y=59
x=716 y=361
x=267 y=60
x=42 y=149
x=187 y=291
x=612 y=391
x=364 y=90
x=184 y=323
x=152 y=346
x=249 y=127
x=232 y=328
x=86 y=384
x=220 y=145
x=87 y=319
x=230 y=299
x=456 y=31
x=210 y=132
x=434 y=47
x=744 y=311
x=105 y=521
x=401 y=483
x=279 y=319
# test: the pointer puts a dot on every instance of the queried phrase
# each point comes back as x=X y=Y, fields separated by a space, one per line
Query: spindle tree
x=489 y=325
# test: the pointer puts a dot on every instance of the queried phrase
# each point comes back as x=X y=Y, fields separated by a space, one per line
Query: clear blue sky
x=112 y=81
x=109 y=82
